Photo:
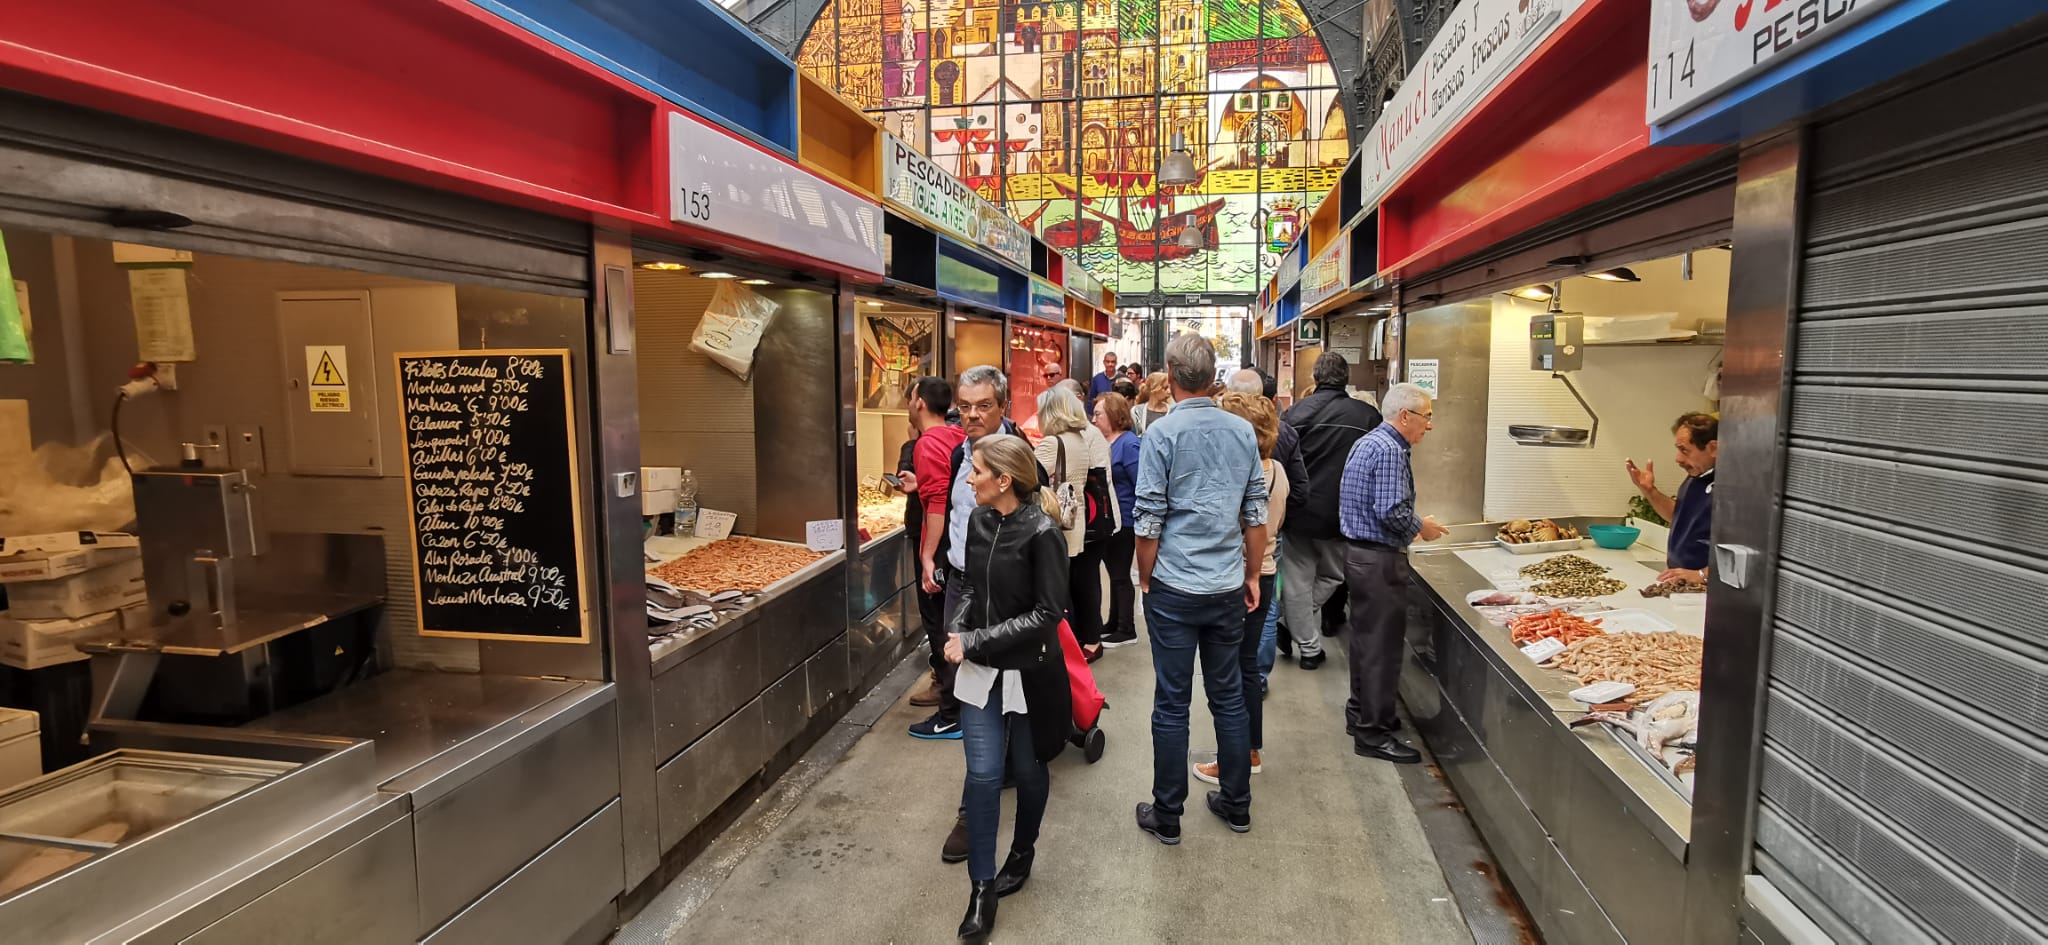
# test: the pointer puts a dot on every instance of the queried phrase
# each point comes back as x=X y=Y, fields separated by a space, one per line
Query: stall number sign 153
x=697 y=204
x=1671 y=73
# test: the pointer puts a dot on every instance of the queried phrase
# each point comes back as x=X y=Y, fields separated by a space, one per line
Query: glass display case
x=1038 y=360
x=898 y=343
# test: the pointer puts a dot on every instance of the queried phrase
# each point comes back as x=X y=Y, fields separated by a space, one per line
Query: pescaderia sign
x=915 y=185
x=1701 y=48
x=1469 y=57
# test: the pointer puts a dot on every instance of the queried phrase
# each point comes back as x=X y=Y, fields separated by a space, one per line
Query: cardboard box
x=661 y=478
x=34 y=644
x=61 y=554
x=657 y=502
x=21 y=748
x=96 y=591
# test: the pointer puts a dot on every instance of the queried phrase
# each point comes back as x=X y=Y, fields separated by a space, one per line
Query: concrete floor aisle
x=1336 y=852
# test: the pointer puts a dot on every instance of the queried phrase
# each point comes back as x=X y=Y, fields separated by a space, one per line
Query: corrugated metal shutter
x=65 y=169
x=1904 y=786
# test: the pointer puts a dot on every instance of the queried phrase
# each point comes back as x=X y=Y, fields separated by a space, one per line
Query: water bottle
x=686 y=504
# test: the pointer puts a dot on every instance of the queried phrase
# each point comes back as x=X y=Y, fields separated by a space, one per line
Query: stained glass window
x=1061 y=110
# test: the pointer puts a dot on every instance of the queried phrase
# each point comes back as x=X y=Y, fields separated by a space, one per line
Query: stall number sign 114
x=697 y=204
x=1671 y=74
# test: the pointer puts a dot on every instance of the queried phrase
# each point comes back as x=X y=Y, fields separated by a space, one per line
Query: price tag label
x=713 y=524
x=1543 y=649
x=825 y=535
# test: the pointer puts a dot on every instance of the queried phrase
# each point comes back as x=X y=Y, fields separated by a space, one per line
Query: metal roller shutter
x=67 y=169
x=1904 y=792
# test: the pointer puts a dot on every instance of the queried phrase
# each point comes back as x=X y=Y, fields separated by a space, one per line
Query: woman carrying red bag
x=1015 y=709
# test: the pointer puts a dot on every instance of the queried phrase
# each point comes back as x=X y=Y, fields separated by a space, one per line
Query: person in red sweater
x=931 y=463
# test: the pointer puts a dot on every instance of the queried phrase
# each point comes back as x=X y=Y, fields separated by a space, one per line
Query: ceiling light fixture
x=1540 y=292
x=716 y=275
x=1178 y=168
x=872 y=304
x=1615 y=275
x=663 y=266
x=1191 y=234
x=755 y=282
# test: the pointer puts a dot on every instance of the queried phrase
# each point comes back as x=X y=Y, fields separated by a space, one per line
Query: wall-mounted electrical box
x=337 y=348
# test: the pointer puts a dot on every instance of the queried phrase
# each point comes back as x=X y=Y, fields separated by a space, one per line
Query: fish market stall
x=1559 y=693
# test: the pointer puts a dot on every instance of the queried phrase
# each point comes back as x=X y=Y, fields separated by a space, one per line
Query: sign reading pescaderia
x=1700 y=48
x=496 y=504
x=921 y=188
x=1469 y=57
x=727 y=185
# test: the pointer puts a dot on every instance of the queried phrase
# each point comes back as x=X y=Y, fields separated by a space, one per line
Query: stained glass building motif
x=1061 y=111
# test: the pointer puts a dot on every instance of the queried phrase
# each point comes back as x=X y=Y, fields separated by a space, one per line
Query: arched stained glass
x=1060 y=110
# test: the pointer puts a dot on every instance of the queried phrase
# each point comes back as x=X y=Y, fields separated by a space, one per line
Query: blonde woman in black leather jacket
x=1012 y=685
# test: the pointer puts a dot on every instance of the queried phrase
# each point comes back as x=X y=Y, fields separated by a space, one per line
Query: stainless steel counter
x=415 y=717
x=1593 y=839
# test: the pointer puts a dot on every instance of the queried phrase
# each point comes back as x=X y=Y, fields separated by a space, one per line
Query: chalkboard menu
x=496 y=506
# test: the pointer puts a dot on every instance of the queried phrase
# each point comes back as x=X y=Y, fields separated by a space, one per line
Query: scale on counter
x=1557 y=345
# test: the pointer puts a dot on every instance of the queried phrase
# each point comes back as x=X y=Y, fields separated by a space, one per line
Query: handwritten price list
x=491 y=476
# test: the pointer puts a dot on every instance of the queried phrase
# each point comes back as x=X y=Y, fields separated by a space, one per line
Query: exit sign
x=1308 y=331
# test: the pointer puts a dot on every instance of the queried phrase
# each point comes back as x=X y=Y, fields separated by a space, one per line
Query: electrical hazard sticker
x=327 y=378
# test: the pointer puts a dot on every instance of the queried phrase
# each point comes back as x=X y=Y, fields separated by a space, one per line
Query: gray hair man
x=1377 y=509
x=1201 y=535
x=983 y=398
x=1327 y=421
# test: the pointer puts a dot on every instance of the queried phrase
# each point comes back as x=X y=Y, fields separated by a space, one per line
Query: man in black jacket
x=1329 y=421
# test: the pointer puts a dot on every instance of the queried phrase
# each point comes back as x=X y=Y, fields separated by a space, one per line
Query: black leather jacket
x=1016 y=590
x=1330 y=422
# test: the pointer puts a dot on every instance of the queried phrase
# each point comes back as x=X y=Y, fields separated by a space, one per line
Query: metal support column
x=1748 y=508
x=615 y=380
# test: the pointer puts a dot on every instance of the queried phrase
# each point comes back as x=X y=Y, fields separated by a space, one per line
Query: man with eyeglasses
x=1376 y=509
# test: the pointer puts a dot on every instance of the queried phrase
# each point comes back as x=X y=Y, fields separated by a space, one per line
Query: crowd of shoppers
x=1233 y=521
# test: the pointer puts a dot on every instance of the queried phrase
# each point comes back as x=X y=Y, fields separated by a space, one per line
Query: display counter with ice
x=1586 y=804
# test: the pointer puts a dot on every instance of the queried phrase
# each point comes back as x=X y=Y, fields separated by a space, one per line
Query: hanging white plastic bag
x=732 y=327
x=64 y=488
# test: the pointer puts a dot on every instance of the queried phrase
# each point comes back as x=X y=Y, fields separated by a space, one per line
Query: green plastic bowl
x=1614 y=536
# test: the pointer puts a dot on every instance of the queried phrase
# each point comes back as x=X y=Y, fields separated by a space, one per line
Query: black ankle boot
x=981 y=912
x=1015 y=871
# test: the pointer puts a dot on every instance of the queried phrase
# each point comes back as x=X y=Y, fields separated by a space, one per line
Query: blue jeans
x=1257 y=643
x=1269 y=637
x=983 y=732
x=1183 y=624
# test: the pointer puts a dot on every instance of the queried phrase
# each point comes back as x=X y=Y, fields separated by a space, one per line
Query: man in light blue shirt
x=1201 y=530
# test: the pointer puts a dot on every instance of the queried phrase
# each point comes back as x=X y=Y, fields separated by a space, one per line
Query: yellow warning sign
x=327 y=378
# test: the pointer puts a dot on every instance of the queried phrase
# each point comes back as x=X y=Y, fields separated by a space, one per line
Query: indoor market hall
x=1341 y=849
x=1353 y=471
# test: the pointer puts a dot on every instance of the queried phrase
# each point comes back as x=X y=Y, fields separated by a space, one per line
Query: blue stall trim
x=705 y=61
x=966 y=275
x=1888 y=44
x=1289 y=308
